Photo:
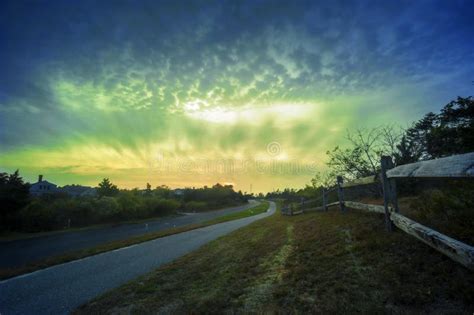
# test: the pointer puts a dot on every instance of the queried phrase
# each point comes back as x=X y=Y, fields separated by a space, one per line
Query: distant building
x=78 y=191
x=42 y=187
x=178 y=192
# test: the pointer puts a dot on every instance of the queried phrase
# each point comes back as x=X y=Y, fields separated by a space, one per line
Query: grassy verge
x=313 y=263
x=11 y=272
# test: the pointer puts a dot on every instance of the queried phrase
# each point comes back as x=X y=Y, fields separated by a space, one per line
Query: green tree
x=407 y=152
x=163 y=191
x=447 y=133
x=148 y=190
x=14 y=195
x=106 y=188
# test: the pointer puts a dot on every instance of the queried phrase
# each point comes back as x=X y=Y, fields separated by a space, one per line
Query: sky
x=190 y=93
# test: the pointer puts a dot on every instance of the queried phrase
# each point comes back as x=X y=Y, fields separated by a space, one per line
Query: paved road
x=21 y=252
x=62 y=288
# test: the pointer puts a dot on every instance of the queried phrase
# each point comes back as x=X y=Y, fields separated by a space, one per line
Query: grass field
x=11 y=272
x=327 y=262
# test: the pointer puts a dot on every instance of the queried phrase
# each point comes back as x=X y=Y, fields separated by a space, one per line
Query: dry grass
x=326 y=262
x=449 y=212
x=350 y=264
x=220 y=275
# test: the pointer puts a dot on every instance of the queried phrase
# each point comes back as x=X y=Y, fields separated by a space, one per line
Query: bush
x=59 y=210
x=445 y=206
x=80 y=211
x=130 y=205
x=85 y=213
x=36 y=217
x=197 y=206
x=156 y=206
x=449 y=211
x=107 y=209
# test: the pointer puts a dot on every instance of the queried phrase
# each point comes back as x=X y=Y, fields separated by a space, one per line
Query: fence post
x=393 y=193
x=325 y=204
x=340 y=193
x=389 y=190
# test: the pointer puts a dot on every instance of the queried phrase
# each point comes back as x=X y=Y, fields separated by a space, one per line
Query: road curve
x=23 y=252
x=62 y=288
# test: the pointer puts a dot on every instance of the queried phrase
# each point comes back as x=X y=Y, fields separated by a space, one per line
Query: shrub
x=107 y=209
x=85 y=213
x=58 y=210
x=197 y=206
x=36 y=216
x=130 y=205
x=449 y=211
x=80 y=211
x=150 y=206
x=155 y=206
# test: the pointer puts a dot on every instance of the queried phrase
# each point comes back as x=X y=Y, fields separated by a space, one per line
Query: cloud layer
x=91 y=88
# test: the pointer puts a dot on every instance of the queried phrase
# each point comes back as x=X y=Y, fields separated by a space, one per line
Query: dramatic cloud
x=157 y=90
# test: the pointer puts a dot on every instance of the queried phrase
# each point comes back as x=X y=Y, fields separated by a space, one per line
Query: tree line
x=22 y=212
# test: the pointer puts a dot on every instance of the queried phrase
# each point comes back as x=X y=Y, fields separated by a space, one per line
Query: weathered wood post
x=291 y=209
x=340 y=193
x=325 y=203
x=393 y=193
x=389 y=190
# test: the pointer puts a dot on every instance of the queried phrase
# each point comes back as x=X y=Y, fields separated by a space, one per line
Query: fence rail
x=321 y=208
x=289 y=210
x=461 y=165
x=457 y=166
x=366 y=207
x=361 y=181
x=452 y=248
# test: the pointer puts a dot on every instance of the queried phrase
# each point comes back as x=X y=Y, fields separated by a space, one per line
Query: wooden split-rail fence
x=456 y=166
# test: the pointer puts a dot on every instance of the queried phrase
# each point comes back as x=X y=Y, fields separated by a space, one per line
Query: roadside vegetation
x=11 y=272
x=449 y=211
x=326 y=262
x=22 y=212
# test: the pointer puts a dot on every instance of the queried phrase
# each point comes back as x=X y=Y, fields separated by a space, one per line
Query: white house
x=78 y=191
x=178 y=192
x=42 y=187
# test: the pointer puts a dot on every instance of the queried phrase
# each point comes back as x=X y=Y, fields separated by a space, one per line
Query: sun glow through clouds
x=132 y=94
x=251 y=114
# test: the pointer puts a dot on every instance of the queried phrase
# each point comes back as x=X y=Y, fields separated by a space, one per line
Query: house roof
x=43 y=182
x=78 y=190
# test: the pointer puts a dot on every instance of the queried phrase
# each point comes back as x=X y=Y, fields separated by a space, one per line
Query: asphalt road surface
x=21 y=252
x=62 y=288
